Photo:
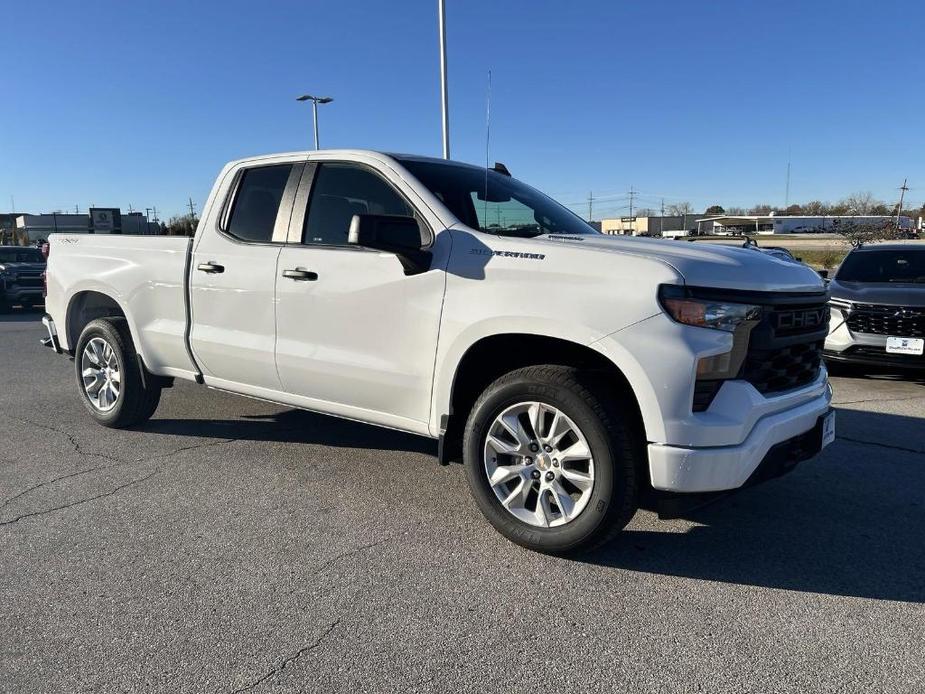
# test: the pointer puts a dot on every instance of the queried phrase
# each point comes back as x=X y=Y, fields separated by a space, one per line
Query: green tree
x=715 y=209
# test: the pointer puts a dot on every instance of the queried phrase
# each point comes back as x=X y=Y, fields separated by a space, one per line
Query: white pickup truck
x=573 y=373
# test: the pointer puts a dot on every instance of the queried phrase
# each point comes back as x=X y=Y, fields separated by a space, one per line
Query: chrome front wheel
x=100 y=374
x=539 y=464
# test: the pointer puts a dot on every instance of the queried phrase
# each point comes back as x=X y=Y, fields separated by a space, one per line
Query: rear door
x=355 y=335
x=233 y=279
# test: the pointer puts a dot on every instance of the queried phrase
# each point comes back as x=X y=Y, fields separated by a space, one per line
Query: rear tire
x=591 y=420
x=109 y=375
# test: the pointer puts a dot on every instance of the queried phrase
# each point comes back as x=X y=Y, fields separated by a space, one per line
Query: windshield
x=883 y=266
x=21 y=255
x=496 y=203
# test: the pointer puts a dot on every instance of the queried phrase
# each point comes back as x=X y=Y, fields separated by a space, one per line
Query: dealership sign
x=105 y=220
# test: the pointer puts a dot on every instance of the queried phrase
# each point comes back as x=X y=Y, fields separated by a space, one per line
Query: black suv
x=878 y=307
x=21 y=281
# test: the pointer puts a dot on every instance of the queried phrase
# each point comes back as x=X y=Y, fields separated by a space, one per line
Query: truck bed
x=145 y=275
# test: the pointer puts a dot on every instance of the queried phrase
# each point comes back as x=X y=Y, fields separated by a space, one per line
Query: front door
x=233 y=279
x=355 y=335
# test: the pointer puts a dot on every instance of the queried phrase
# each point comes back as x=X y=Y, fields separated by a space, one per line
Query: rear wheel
x=109 y=375
x=550 y=460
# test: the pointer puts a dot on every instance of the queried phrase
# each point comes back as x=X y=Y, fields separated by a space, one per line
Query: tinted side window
x=257 y=202
x=341 y=191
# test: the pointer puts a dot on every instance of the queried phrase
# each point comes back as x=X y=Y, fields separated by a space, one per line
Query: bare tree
x=858 y=233
x=646 y=212
x=861 y=203
x=761 y=208
x=815 y=207
x=679 y=209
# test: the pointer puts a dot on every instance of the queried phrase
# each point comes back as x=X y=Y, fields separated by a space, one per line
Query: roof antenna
x=487 y=148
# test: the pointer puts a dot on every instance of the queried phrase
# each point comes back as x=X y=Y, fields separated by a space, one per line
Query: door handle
x=210 y=267
x=300 y=275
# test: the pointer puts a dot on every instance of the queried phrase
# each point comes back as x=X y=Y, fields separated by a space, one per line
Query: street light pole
x=445 y=107
x=315 y=101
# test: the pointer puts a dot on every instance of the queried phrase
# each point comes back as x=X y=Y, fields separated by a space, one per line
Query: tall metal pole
x=441 y=6
x=315 y=120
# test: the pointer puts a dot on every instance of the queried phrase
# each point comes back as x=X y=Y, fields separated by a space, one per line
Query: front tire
x=551 y=462
x=109 y=375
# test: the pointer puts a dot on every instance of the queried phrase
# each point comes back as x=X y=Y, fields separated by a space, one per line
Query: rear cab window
x=256 y=203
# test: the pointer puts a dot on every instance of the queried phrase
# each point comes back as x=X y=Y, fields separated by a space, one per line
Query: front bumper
x=13 y=294
x=721 y=468
x=845 y=346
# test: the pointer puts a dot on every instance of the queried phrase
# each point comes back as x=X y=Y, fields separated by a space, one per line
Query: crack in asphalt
x=867 y=400
x=75 y=444
x=118 y=462
x=58 y=479
x=79 y=502
x=291 y=659
x=891 y=446
x=351 y=552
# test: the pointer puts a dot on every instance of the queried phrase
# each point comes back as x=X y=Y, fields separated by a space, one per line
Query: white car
x=571 y=372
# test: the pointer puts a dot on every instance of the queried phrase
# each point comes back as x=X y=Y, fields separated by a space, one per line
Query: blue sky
x=141 y=103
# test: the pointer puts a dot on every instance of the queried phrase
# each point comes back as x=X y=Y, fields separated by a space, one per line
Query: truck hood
x=879 y=293
x=706 y=265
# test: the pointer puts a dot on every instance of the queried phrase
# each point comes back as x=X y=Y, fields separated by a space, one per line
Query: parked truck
x=572 y=373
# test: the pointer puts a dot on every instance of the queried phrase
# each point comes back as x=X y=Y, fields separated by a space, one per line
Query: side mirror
x=391 y=233
x=824 y=274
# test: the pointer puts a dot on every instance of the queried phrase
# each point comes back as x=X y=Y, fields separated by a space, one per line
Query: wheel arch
x=88 y=305
x=492 y=356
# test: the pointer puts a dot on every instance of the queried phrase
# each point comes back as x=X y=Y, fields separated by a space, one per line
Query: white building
x=791 y=224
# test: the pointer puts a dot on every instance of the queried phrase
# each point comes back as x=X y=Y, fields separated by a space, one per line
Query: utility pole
x=590 y=206
x=787 y=190
x=899 y=208
x=632 y=195
x=192 y=209
x=661 y=219
x=444 y=96
x=76 y=209
x=154 y=212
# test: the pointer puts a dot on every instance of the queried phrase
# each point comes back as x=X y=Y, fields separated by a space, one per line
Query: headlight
x=840 y=309
x=706 y=313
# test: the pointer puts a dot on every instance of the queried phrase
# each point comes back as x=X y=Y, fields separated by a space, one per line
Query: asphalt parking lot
x=233 y=545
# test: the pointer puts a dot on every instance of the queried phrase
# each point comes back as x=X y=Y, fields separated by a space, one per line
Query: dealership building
x=99 y=220
x=745 y=224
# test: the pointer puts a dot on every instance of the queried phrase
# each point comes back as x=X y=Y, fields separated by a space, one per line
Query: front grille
x=778 y=349
x=785 y=348
x=773 y=370
x=876 y=319
x=35 y=282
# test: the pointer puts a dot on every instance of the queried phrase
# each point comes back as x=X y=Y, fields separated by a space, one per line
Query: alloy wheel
x=539 y=464
x=99 y=370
